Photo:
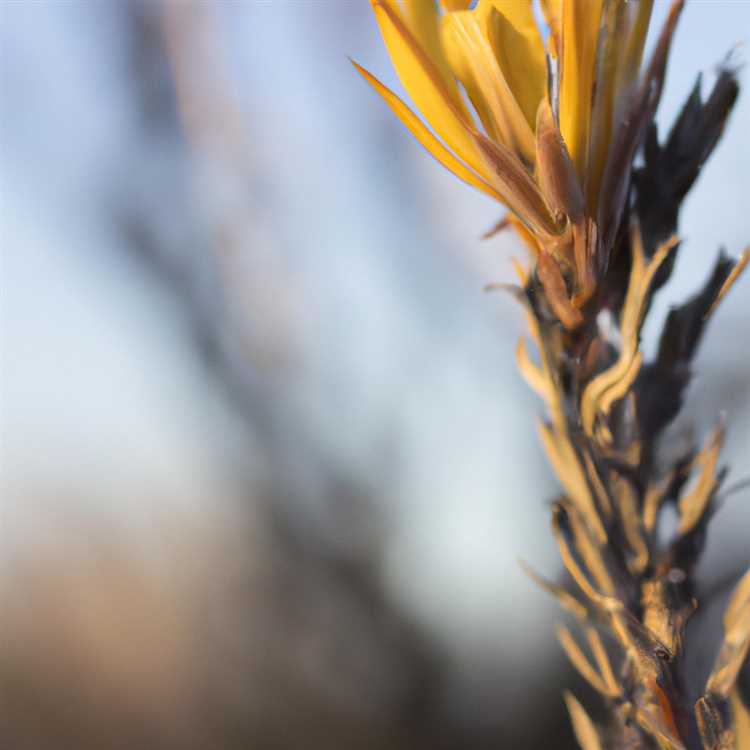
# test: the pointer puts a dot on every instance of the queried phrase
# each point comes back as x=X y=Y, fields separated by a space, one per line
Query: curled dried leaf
x=553 y=282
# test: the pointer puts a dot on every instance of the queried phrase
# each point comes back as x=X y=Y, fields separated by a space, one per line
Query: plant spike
x=602 y=236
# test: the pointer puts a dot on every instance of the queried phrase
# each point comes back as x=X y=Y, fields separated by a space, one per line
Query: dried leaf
x=636 y=302
x=566 y=599
x=586 y=734
x=694 y=503
x=582 y=664
x=556 y=292
x=736 y=642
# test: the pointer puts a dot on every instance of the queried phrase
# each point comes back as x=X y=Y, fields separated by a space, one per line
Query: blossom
x=547 y=128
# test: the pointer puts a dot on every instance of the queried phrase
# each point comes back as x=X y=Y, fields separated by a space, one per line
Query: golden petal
x=424 y=21
x=449 y=5
x=580 y=32
x=471 y=72
x=473 y=60
x=426 y=138
x=512 y=31
x=441 y=106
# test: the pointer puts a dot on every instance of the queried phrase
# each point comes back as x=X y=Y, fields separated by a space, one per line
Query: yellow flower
x=548 y=130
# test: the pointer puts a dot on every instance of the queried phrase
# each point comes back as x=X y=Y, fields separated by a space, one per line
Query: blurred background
x=266 y=463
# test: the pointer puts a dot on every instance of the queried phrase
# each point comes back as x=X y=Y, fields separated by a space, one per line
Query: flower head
x=547 y=128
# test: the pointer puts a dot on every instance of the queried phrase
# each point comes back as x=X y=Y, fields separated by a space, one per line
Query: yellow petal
x=426 y=138
x=580 y=32
x=473 y=60
x=421 y=78
x=464 y=68
x=424 y=21
x=449 y=5
x=518 y=48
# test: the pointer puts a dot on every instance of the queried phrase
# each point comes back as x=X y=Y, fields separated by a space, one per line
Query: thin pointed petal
x=580 y=30
x=426 y=138
x=423 y=81
x=474 y=62
x=518 y=48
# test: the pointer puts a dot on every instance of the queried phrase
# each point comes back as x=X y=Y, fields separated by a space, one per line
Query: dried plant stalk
x=552 y=133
